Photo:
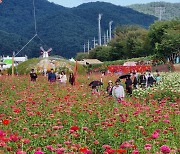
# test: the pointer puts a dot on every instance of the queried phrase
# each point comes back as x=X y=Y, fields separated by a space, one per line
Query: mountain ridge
x=63 y=29
x=171 y=10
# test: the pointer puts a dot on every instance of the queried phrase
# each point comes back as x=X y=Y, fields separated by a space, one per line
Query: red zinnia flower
x=17 y=110
x=75 y=128
x=83 y=149
x=5 y=122
x=110 y=151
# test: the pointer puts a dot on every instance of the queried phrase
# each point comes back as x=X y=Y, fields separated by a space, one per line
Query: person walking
x=142 y=80
x=128 y=83
x=52 y=76
x=71 y=79
x=135 y=80
x=63 y=78
x=109 y=88
x=118 y=91
x=33 y=75
x=150 y=80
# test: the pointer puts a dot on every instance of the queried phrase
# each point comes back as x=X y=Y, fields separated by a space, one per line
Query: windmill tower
x=45 y=54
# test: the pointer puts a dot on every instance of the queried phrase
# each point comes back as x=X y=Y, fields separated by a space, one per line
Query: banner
x=127 y=69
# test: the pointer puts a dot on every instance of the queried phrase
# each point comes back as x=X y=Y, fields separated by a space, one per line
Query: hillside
x=63 y=29
x=172 y=10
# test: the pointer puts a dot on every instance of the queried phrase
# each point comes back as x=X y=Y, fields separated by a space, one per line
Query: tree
x=164 y=38
x=81 y=55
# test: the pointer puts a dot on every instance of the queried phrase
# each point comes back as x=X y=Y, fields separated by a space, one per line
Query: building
x=7 y=61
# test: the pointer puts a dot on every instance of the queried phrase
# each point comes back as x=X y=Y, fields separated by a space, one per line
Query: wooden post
x=13 y=64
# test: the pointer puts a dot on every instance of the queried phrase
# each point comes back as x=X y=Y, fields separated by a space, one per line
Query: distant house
x=2 y=64
x=90 y=61
x=7 y=61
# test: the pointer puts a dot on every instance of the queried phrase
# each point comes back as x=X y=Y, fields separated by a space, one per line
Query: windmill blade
x=42 y=49
x=49 y=50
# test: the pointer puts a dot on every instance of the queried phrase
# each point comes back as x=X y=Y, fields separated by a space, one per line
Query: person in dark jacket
x=135 y=81
x=128 y=85
x=150 y=80
x=33 y=75
x=52 y=76
x=109 y=88
x=142 y=80
x=71 y=79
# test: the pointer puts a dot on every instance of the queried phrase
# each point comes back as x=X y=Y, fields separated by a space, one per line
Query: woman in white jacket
x=118 y=91
x=63 y=78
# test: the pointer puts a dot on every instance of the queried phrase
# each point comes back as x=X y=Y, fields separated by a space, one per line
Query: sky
x=73 y=3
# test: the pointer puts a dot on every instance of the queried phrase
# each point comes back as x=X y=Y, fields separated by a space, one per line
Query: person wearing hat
x=109 y=88
x=118 y=91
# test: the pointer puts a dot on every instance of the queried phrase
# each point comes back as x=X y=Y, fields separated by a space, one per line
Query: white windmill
x=45 y=61
x=45 y=53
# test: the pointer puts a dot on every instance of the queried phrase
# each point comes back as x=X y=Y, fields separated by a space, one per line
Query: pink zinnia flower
x=106 y=146
x=20 y=152
x=55 y=127
x=60 y=150
x=165 y=149
x=166 y=121
x=67 y=142
x=96 y=142
x=25 y=141
x=135 y=151
x=155 y=135
x=49 y=147
x=38 y=152
x=13 y=138
x=125 y=145
x=147 y=146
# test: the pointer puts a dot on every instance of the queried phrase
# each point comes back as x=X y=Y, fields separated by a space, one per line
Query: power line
x=35 y=29
x=26 y=45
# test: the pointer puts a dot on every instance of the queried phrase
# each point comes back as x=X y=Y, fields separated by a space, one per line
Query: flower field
x=47 y=118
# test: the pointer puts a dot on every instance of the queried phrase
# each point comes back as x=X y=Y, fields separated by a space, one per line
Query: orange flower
x=121 y=151
x=5 y=122
x=30 y=99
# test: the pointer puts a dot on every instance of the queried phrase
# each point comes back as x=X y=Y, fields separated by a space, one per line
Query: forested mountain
x=63 y=29
x=169 y=10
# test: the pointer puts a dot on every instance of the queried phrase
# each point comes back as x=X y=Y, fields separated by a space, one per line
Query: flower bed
x=50 y=118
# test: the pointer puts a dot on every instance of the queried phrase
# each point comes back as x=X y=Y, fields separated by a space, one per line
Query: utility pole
x=88 y=47
x=94 y=42
x=13 y=64
x=99 y=28
x=84 y=46
x=107 y=36
x=104 y=37
x=159 y=12
x=110 y=28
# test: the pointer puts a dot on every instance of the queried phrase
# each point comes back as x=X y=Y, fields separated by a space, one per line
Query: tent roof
x=90 y=61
